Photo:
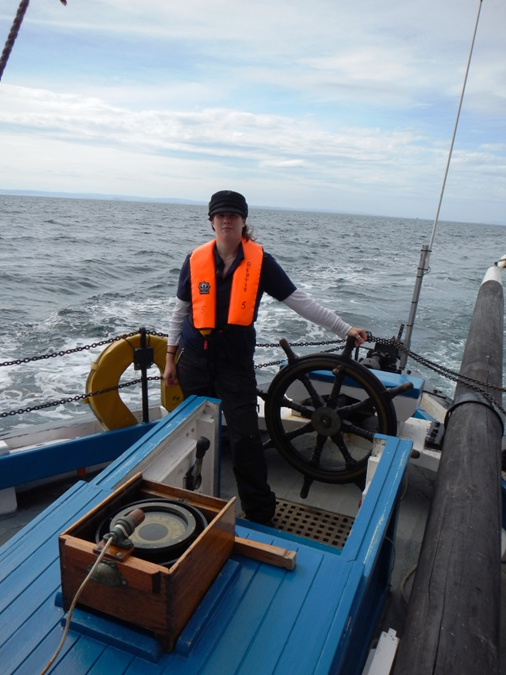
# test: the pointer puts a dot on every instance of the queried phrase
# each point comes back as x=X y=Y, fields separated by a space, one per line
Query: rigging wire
x=455 y=128
x=423 y=265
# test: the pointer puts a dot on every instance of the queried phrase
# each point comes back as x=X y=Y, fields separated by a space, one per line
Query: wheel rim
x=322 y=412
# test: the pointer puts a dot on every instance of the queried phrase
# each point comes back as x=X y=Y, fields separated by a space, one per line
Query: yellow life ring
x=106 y=372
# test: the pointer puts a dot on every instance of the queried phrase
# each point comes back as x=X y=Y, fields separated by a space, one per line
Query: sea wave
x=79 y=271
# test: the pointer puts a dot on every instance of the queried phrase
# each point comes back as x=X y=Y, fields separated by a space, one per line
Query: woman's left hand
x=360 y=335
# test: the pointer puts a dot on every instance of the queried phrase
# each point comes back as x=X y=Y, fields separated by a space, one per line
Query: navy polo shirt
x=229 y=341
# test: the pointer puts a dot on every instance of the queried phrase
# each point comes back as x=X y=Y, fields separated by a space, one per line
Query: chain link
x=295 y=345
x=441 y=370
x=449 y=374
x=303 y=344
x=19 y=362
x=73 y=399
x=471 y=383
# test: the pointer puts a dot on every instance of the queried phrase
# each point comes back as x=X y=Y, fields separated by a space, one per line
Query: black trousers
x=235 y=384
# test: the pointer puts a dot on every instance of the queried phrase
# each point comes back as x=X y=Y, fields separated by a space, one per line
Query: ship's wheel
x=322 y=412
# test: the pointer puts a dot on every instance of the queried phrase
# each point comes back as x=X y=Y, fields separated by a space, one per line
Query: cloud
x=219 y=132
x=283 y=164
x=355 y=100
x=364 y=155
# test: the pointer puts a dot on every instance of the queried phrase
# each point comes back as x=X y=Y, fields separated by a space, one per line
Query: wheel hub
x=326 y=421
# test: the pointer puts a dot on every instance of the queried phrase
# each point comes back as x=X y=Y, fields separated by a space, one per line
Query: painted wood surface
x=255 y=618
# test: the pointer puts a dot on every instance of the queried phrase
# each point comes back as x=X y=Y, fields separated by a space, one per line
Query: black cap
x=227 y=201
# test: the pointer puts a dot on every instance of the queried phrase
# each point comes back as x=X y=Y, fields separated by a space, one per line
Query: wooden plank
x=315 y=644
x=40 y=538
x=287 y=632
x=281 y=615
x=28 y=637
x=208 y=631
x=229 y=654
x=115 y=634
x=135 y=602
x=272 y=555
x=374 y=515
x=196 y=569
x=85 y=654
x=37 y=531
x=111 y=662
x=19 y=601
x=205 y=612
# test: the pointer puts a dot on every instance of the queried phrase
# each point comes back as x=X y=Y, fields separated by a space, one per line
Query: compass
x=168 y=529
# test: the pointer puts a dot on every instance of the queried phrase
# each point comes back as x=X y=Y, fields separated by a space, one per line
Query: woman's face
x=228 y=227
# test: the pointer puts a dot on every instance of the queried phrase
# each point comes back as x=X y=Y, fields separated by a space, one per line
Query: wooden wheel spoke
x=358 y=431
x=297 y=407
x=318 y=449
x=317 y=400
x=300 y=431
x=339 y=441
x=329 y=443
x=367 y=405
x=336 y=388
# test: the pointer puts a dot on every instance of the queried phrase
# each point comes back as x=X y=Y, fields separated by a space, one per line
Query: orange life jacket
x=245 y=283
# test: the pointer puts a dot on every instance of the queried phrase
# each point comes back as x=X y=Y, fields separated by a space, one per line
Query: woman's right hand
x=360 y=335
x=170 y=374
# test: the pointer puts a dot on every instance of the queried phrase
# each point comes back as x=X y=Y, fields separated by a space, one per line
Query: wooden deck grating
x=312 y=523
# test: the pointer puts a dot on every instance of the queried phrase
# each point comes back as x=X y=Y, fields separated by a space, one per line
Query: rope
x=11 y=38
x=73 y=605
x=13 y=34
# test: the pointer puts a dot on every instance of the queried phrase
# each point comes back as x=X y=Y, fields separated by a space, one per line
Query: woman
x=212 y=331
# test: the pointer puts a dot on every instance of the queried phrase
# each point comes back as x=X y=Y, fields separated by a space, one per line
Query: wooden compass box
x=146 y=594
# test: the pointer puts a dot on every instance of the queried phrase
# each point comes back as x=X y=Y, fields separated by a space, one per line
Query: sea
x=79 y=271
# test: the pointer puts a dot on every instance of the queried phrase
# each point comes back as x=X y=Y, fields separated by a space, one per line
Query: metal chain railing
x=337 y=344
x=475 y=385
x=471 y=383
x=79 y=397
x=93 y=345
x=71 y=399
x=440 y=370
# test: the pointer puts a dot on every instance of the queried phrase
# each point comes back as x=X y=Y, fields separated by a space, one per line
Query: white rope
x=74 y=603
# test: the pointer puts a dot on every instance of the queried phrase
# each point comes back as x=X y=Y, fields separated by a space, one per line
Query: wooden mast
x=453 y=620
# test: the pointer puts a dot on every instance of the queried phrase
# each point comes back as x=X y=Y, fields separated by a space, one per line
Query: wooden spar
x=453 y=618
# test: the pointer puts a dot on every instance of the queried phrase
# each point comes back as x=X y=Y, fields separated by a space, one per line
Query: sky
x=329 y=104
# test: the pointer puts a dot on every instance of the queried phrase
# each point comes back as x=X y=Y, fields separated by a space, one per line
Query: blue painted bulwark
x=25 y=466
x=255 y=618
